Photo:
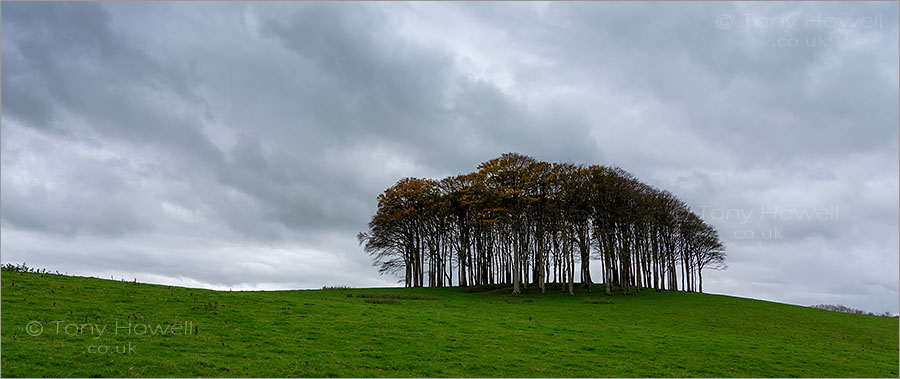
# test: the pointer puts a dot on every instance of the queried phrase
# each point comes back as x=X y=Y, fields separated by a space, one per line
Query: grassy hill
x=53 y=326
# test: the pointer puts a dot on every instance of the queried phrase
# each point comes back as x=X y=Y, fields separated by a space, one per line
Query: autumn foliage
x=521 y=221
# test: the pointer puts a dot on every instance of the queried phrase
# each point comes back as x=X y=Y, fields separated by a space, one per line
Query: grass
x=163 y=331
x=392 y=296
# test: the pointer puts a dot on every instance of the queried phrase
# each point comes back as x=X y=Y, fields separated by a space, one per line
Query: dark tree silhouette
x=520 y=221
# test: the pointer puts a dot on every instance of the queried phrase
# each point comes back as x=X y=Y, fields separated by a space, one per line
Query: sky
x=242 y=146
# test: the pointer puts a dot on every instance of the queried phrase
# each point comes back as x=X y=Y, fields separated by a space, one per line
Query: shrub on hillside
x=846 y=309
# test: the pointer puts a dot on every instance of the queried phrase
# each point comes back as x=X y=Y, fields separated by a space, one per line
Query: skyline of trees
x=520 y=221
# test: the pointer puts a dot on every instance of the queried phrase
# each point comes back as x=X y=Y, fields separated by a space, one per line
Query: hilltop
x=59 y=326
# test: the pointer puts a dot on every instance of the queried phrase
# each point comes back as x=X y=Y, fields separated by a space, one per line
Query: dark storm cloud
x=243 y=145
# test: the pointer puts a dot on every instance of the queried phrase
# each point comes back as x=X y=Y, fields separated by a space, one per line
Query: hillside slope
x=72 y=326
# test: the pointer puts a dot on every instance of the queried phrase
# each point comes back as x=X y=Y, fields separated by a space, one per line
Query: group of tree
x=520 y=221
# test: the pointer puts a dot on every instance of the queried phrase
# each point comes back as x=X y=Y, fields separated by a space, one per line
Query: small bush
x=488 y=288
x=381 y=300
x=846 y=309
x=337 y=287
x=11 y=267
x=399 y=296
x=592 y=301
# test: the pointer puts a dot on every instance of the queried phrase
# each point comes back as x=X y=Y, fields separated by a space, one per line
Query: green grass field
x=53 y=326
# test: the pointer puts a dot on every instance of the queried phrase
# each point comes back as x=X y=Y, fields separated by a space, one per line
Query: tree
x=517 y=220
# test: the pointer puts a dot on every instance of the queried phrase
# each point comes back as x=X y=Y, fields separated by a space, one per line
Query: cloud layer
x=230 y=145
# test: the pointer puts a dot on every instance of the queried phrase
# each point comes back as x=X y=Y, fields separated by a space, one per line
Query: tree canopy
x=520 y=221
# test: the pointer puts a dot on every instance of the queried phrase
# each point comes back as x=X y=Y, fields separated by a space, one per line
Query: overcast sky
x=242 y=146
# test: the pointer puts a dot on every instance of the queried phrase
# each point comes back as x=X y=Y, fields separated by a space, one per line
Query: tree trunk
x=570 y=253
x=700 y=274
x=516 y=247
x=585 y=247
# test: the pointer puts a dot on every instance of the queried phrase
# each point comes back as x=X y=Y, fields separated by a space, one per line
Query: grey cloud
x=243 y=145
